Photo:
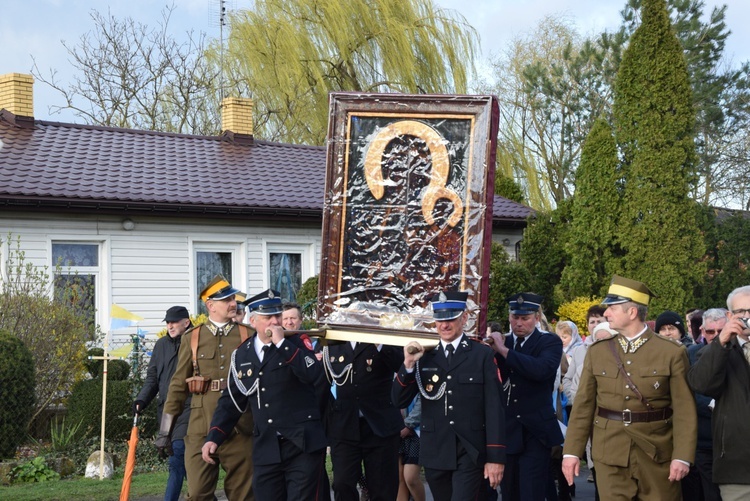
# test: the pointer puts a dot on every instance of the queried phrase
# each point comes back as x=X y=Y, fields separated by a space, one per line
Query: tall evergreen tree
x=590 y=243
x=654 y=121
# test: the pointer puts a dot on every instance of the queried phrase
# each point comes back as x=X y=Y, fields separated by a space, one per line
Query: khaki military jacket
x=658 y=367
x=214 y=358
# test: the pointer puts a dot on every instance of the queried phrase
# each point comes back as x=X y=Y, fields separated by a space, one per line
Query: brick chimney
x=16 y=94
x=237 y=119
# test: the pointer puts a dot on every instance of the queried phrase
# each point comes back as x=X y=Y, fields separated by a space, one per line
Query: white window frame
x=239 y=262
x=102 y=278
x=276 y=245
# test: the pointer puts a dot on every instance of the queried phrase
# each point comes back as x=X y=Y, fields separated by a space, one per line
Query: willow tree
x=292 y=53
x=591 y=241
x=654 y=120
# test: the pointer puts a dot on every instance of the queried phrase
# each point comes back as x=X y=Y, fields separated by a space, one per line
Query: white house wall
x=148 y=269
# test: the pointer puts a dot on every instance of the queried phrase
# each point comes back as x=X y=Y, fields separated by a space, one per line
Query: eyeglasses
x=710 y=332
x=741 y=311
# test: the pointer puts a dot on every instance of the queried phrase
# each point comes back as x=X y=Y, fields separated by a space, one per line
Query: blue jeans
x=176 y=471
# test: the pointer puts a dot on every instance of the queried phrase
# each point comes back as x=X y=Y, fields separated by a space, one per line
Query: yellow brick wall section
x=16 y=94
x=237 y=115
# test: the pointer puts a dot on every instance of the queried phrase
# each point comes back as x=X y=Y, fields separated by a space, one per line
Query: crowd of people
x=657 y=410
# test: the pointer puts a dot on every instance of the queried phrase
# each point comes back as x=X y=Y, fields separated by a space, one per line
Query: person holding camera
x=722 y=373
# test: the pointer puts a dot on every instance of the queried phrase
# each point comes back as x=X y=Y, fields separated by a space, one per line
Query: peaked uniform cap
x=625 y=290
x=524 y=303
x=448 y=305
x=267 y=302
x=218 y=288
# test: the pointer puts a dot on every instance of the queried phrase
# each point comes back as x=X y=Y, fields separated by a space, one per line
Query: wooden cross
x=106 y=359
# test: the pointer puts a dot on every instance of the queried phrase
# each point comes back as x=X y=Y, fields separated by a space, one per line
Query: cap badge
x=519 y=300
x=270 y=294
x=442 y=297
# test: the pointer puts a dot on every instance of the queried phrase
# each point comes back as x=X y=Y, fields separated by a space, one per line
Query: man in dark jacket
x=463 y=428
x=722 y=373
x=160 y=370
x=363 y=425
x=528 y=360
x=275 y=377
x=713 y=320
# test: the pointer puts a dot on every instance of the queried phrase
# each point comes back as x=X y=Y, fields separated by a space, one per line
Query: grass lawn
x=86 y=489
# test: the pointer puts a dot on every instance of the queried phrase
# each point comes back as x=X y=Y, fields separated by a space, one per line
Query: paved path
x=584 y=490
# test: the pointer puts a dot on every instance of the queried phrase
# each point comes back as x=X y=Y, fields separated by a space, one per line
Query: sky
x=35 y=28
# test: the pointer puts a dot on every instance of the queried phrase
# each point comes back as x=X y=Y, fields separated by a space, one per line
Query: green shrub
x=34 y=470
x=16 y=392
x=118 y=370
x=94 y=366
x=85 y=405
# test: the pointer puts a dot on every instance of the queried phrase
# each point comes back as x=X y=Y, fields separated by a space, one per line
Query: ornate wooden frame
x=452 y=140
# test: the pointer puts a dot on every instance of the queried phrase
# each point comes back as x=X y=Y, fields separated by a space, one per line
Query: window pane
x=79 y=292
x=208 y=265
x=285 y=274
x=75 y=254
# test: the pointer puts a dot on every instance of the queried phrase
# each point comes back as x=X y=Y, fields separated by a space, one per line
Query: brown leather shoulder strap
x=244 y=332
x=194 y=339
x=613 y=348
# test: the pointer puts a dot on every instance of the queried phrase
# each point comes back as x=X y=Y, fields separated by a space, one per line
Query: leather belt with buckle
x=218 y=385
x=627 y=416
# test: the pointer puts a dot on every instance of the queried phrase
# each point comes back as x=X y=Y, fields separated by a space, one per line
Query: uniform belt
x=218 y=385
x=627 y=416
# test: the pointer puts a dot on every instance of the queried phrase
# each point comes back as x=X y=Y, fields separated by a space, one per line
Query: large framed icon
x=407 y=211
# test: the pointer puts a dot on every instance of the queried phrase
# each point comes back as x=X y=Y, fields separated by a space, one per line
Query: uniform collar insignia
x=631 y=346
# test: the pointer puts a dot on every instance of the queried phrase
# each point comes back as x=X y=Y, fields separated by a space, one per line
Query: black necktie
x=449 y=353
x=265 y=349
x=519 y=342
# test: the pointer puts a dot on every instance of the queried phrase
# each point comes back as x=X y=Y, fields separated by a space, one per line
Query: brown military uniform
x=640 y=451
x=214 y=357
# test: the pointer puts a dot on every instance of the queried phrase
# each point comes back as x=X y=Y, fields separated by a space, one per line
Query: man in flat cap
x=462 y=438
x=633 y=395
x=202 y=367
x=528 y=360
x=161 y=367
x=362 y=424
x=275 y=377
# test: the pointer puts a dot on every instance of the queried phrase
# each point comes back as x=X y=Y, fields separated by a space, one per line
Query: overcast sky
x=36 y=27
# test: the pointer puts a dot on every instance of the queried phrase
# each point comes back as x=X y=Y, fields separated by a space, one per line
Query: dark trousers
x=465 y=483
x=526 y=474
x=291 y=479
x=704 y=462
x=380 y=458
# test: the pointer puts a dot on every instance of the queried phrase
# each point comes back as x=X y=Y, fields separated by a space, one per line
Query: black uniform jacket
x=284 y=402
x=528 y=381
x=367 y=390
x=469 y=409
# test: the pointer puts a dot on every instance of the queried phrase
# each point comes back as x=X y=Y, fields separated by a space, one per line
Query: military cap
x=267 y=302
x=176 y=313
x=524 y=303
x=448 y=305
x=625 y=290
x=240 y=297
x=218 y=288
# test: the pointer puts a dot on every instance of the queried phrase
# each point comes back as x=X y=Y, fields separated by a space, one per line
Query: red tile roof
x=74 y=167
